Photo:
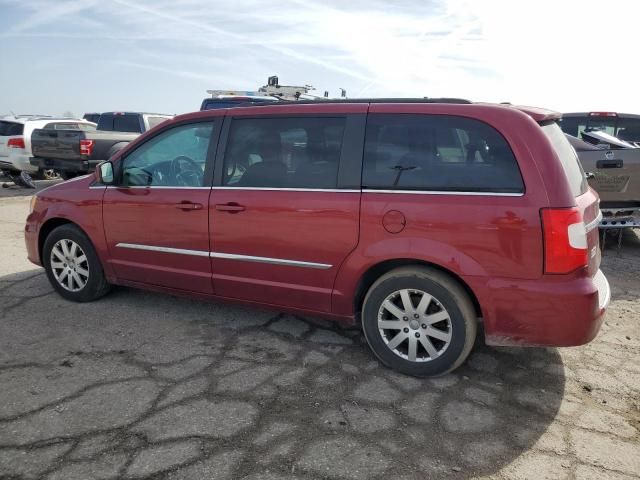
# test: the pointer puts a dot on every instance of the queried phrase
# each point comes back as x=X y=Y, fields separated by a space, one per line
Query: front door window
x=175 y=158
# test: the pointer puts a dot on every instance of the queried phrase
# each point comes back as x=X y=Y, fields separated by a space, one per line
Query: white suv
x=15 y=141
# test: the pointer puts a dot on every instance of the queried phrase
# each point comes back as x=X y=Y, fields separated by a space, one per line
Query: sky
x=161 y=56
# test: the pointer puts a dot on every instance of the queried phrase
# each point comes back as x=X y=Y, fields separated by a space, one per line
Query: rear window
x=126 y=123
x=568 y=158
x=438 y=153
x=120 y=123
x=70 y=126
x=625 y=128
x=8 y=129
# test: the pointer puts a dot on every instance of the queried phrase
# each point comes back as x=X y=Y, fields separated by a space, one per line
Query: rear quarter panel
x=476 y=237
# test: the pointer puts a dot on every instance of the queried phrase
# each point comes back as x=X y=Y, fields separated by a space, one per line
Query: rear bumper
x=552 y=311
x=79 y=166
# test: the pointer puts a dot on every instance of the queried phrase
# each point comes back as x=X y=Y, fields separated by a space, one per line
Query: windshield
x=568 y=158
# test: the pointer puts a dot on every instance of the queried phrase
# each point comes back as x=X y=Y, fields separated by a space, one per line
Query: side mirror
x=104 y=173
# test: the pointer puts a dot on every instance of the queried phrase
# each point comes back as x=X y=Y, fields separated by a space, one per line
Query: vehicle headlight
x=32 y=204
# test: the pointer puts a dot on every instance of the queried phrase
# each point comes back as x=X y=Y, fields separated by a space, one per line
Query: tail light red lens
x=86 y=147
x=17 y=142
x=565 y=240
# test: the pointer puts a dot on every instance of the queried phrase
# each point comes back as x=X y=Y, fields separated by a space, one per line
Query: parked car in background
x=16 y=147
x=235 y=99
x=92 y=117
x=624 y=126
x=74 y=152
x=413 y=219
x=613 y=168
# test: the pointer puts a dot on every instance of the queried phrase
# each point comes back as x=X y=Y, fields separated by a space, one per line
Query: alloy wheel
x=414 y=325
x=69 y=265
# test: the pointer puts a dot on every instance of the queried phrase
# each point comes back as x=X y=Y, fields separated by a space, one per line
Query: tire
x=438 y=331
x=84 y=280
x=48 y=174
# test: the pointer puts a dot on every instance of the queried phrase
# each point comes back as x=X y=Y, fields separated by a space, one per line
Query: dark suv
x=416 y=220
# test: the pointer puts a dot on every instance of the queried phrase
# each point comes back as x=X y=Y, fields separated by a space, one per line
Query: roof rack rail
x=380 y=100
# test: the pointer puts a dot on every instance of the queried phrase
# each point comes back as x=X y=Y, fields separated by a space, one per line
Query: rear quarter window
x=438 y=153
x=568 y=158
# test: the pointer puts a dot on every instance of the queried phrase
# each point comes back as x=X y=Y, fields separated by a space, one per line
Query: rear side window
x=126 y=123
x=568 y=158
x=8 y=129
x=284 y=152
x=438 y=153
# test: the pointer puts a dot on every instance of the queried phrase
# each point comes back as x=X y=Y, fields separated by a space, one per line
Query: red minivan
x=416 y=219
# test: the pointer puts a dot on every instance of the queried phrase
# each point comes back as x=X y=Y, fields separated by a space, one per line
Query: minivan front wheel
x=419 y=321
x=73 y=266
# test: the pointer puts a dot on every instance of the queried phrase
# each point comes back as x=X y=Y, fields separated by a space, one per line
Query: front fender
x=74 y=202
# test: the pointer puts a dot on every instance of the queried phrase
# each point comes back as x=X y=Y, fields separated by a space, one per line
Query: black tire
x=96 y=285
x=449 y=295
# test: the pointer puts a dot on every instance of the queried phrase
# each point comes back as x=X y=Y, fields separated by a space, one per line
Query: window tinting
x=11 y=128
x=283 y=152
x=628 y=129
x=174 y=158
x=438 y=153
x=568 y=158
x=126 y=123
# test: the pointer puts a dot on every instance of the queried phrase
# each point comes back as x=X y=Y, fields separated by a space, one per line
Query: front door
x=156 y=221
x=281 y=223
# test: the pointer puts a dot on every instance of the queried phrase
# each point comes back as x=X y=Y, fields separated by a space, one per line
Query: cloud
x=568 y=55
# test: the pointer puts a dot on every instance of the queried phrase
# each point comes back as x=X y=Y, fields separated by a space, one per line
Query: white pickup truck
x=15 y=143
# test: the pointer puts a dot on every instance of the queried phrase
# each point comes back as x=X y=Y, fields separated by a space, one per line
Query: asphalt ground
x=143 y=385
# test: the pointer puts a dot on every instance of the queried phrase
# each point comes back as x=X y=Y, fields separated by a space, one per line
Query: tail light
x=86 y=147
x=565 y=240
x=17 y=142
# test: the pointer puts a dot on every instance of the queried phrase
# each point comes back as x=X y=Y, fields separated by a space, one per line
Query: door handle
x=188 y=206
x=231 y=207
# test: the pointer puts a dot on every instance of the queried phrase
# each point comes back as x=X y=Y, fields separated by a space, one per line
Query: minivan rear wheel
x=419 y=321
x=72 y=265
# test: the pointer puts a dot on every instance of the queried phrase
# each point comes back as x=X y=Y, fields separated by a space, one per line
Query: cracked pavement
x=142 y=385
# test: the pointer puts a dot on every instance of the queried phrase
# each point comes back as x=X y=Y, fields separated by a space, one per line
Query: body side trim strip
x=226 y=256
x=275 y=261
x=444 y=192
x=270 y=189
x=153 y=248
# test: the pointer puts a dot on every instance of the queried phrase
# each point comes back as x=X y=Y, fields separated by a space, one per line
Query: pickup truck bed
x=73 y=152
x=61 y=149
